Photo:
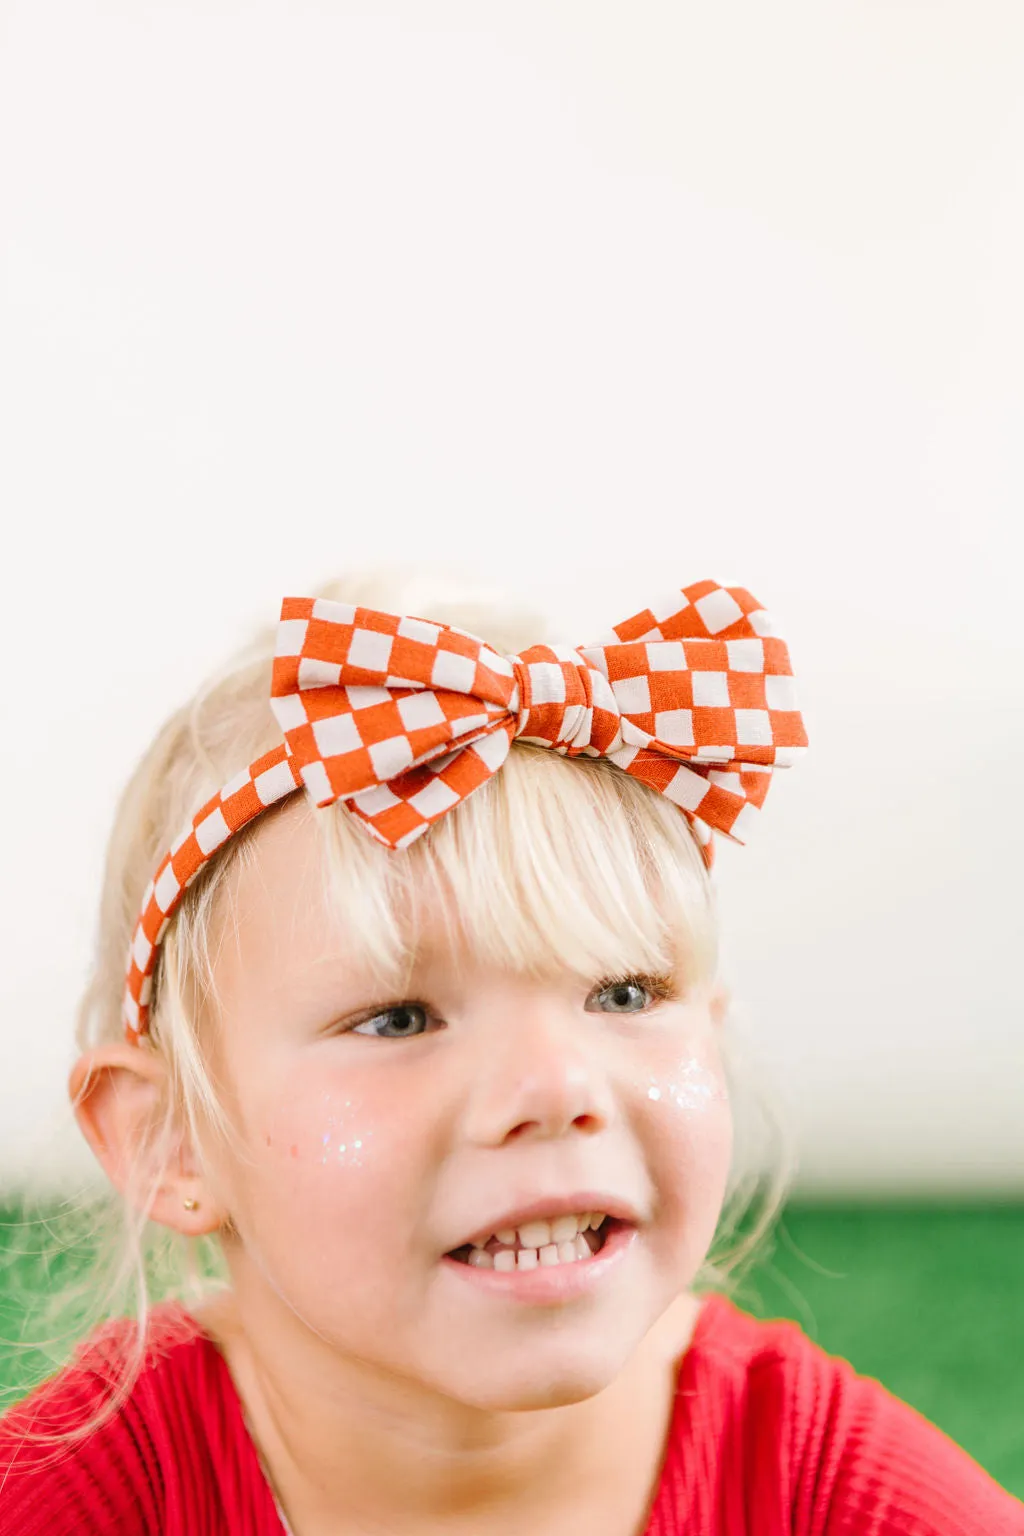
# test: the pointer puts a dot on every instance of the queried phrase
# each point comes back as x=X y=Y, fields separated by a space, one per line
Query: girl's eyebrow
x=338 y=971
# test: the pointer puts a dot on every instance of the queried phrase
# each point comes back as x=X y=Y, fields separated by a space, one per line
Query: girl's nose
x=540 y=1073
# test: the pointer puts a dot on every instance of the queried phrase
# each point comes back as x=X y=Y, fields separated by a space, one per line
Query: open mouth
x=541 y=1244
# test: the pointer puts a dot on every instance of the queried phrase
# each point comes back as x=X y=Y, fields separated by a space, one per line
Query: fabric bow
x=402 y=718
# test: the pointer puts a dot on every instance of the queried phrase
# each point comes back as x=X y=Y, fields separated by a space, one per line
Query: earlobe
x=117 y=1092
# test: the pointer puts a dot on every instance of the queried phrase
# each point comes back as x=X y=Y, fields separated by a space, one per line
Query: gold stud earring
x=190 y=1205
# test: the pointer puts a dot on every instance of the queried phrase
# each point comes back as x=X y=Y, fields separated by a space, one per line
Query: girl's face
x=387 y=1135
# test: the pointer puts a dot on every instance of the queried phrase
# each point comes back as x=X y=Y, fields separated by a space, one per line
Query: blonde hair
x=504 y=861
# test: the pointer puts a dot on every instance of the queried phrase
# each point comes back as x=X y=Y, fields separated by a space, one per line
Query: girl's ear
x=116 y=1093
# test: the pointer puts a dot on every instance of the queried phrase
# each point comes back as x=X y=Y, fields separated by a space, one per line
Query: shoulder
x=831 y=1451
x=170 y=1443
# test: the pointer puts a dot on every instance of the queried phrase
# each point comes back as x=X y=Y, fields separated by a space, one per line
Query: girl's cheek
x=688 y=1087
x=318 y=1135
x=687 y=1114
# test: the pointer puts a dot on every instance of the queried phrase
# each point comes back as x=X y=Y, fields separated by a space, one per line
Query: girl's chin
x=554 y=1378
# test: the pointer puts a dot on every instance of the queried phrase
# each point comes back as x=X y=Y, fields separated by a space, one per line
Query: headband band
x=402 y=719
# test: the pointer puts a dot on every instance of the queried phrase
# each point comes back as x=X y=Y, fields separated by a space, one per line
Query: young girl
x=406 y=1009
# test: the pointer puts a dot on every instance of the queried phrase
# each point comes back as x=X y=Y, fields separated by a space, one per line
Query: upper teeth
x=537 y=1234
x=560 y=1241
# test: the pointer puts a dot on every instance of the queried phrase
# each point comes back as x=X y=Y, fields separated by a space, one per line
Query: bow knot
x=562 y=702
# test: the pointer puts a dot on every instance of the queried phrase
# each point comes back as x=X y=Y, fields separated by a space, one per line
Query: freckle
x=295 y=1151
x=268 y=1141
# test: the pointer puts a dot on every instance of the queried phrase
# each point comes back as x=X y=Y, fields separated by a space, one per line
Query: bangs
x=555 y=865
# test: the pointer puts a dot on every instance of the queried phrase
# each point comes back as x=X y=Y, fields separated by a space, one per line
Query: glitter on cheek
x=692 y=1087
x=349 y=1152
x=341 y=1139
x=351 y=1138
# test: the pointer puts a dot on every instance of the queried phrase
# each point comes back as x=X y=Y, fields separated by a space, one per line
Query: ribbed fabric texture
x=771 y=1436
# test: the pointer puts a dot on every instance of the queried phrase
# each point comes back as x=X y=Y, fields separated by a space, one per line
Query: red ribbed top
x=770 y=1436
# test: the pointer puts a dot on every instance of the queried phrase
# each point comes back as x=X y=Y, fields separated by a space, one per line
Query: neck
x=349 y=1449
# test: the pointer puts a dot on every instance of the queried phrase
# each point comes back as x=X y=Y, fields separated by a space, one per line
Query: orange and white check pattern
x=402 y=718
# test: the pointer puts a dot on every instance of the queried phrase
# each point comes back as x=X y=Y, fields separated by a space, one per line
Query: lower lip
x=549 y=1283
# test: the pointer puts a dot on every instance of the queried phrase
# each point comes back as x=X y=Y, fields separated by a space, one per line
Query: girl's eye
x=624 y=994
x=407 y=1020
x=632 y=994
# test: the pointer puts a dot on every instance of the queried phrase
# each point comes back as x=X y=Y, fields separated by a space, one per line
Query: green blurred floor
x=927 y=1299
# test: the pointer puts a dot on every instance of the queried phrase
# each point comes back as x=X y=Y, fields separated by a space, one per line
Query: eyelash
x=661 y=988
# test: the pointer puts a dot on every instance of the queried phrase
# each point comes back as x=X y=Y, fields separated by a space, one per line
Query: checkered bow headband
x=402 y=718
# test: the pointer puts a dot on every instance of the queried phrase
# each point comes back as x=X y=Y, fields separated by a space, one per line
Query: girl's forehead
x=276 y=879
x=282 y=903
x=311 y=891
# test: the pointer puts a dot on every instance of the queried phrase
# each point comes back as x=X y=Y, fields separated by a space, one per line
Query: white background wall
x=579 y=298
